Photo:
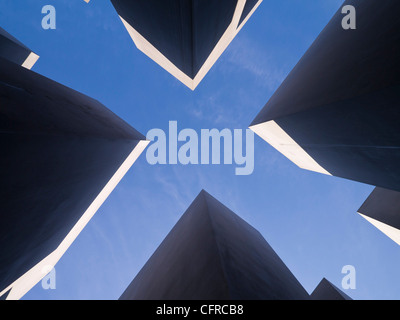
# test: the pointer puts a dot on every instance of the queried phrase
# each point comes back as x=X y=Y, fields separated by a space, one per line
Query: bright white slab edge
x=389 y=231
x=26 y=282
x=272 y=133
x=148 y=49
x=30 y=61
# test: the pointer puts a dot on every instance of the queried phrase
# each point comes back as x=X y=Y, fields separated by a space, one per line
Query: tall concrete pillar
x=62 y=155
x=338 y=111
x=185 y=37
x=328 y=291
x=212 y=254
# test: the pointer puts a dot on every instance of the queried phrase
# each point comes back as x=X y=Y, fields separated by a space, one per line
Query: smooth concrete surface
x=212 y=254
x=15 y=51
x=60 y=150
x=185 y=37
x=383 y=205
x=328 y=291
x=341 y=103
x=382 y=209
x=184 y=31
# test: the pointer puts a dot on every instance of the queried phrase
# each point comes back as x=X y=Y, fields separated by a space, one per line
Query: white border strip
x=248 y=16
x=272 y=133
x=148 y=49
x=26 y=282
x=30 y=61
x=388 y=230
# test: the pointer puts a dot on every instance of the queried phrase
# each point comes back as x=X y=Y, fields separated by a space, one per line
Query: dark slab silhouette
x=250 y=4
x=60 y=149
x=328 y=291
x=4 y=296
x=185 y=32
x=382 y=209
x=15 y=51
x=341 y=103
x=212 y=254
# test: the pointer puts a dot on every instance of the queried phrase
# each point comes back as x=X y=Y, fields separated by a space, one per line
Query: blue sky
x=308 y=218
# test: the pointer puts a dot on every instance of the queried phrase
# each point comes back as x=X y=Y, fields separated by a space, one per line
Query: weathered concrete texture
x=12 y=49
x=328 y=291
x=185 y=32
x=60 y=149
x=341 y=103
x=382 y=209
x=212 y=254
